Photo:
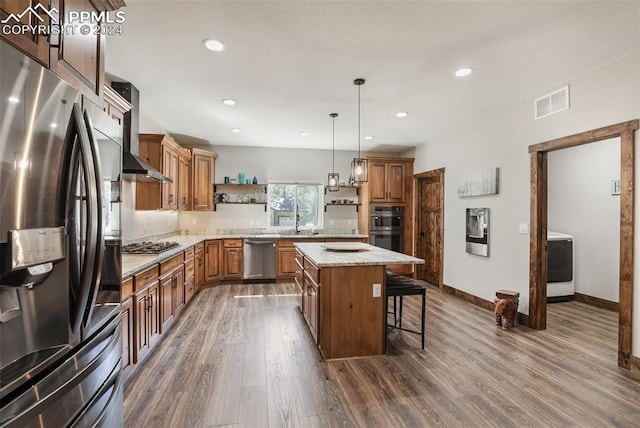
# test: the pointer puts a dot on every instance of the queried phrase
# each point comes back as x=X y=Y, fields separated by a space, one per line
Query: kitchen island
x=342 y=296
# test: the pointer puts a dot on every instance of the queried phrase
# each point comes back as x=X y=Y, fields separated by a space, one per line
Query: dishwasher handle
x=259 y=242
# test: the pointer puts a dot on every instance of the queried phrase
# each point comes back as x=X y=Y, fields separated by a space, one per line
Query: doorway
x=538 y=234
x=429 y=225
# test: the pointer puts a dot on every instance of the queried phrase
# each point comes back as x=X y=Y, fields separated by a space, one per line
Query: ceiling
x=288 y=64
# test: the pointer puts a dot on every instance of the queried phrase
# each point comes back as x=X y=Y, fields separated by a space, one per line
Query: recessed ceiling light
x=229 y=102
x=304 y=133
x=369 y=137
x=14 y=100
x=54 y=125
x=213 y=45
x=236 y=130
x=402 y=114
x=462 y=72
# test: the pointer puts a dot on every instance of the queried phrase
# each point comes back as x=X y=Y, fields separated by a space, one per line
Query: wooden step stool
x=506 y=308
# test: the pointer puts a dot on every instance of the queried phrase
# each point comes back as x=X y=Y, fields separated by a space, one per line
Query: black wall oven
x=386 y=227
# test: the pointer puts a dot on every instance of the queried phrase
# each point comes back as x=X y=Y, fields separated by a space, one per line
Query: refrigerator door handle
x=84 y=272
x=96 y=228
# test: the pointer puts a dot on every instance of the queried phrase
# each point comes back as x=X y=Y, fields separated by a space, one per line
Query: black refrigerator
x=60 y=168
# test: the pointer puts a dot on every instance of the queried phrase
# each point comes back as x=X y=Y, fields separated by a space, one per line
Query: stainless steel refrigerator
x=60 y=163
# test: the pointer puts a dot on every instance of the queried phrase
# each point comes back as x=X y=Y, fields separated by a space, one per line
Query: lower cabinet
x=172 y=286
x=199 y=265
x=127 y=318
x=151 y=301
x=189 y=274
x=212 y=265
x=232 y=261
x=147 y=319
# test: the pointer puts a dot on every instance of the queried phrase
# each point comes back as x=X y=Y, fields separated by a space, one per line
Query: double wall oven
x=386 y=227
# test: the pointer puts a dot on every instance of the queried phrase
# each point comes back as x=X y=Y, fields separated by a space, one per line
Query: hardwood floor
x=241 y=356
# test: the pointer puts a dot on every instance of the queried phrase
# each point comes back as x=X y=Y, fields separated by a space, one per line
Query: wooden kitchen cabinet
x=164 y=154
x=115 y=105
x=172 y=289
x=170 y=170
x=387 y=181
x=184 y=170
x=285 y=259
x=232 y=259
x=299 y=279
x=34 y=45
x=127 y=324
x=202 y=175
x=311 y=289
x=199 y=266
x=189 y=274
x=146 y=311
x=212 y=261
x=79 y=58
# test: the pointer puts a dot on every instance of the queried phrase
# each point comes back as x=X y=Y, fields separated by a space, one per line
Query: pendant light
x=359 y=165
x=333 y=182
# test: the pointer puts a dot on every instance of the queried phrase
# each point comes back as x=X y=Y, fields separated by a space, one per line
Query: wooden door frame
x=416 y=178
x=538 y=233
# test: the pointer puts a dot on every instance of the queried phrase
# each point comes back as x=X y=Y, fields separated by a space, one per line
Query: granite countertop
x=369 y=256
x=134 y=263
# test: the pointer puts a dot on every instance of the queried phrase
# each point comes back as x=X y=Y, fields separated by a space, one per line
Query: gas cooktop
x=149 y=247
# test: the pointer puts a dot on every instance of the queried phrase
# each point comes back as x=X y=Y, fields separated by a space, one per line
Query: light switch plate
x=377 y=290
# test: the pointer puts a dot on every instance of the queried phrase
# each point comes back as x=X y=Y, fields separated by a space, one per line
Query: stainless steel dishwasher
x=259 y=260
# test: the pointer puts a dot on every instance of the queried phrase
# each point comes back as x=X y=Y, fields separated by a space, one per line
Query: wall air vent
x=552 y=103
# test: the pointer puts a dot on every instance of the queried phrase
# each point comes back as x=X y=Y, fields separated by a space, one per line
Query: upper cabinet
x=192 y=172
x=387 y=180
x=115 y=105
x=71 y=47
x=164 y=154
x=202 y=174
x=34 y=44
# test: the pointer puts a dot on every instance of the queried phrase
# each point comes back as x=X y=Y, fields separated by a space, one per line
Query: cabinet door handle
x=195 y=201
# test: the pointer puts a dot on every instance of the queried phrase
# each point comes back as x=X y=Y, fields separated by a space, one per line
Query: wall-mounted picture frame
x=478 y=183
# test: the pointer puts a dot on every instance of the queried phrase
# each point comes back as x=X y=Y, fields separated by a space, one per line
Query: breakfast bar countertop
x=366 y=255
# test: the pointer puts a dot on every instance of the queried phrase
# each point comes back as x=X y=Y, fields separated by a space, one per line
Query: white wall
x=600 y=97
x=137 y=225
x=580 y=204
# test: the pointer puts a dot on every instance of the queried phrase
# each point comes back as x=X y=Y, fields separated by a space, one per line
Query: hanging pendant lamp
x=359 y=164
x=333 y=181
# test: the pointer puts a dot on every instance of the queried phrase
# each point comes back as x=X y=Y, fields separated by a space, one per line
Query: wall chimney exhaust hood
x=134 y=168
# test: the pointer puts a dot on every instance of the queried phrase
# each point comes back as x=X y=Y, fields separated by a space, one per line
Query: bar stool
x=400 y=286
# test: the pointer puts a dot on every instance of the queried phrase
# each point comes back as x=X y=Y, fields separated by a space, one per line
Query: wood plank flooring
x=241 y=356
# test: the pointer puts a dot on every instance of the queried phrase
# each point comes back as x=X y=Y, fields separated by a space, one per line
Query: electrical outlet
x=250 y=222
x=524 y=227
x=349 y=222
x=331 y=222
x=377 y=290
x=194 y=221
x=258 y=222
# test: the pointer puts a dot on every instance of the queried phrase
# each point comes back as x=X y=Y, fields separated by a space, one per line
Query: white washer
x=560 y=267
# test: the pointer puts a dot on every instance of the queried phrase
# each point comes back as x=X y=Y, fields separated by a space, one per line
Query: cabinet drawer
x=145 y=278
x=189 y=270
x=312 y=270
x=199 y=249
x=127 y=289
x=171 y=264
x=285 y=243
x=188 y=253
x=232 y=243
